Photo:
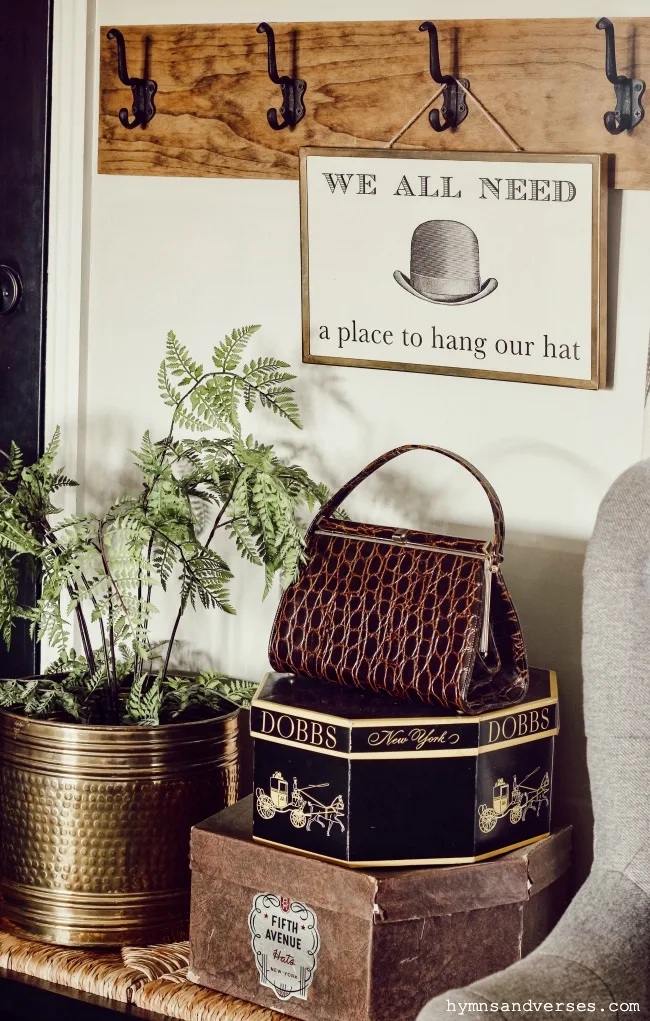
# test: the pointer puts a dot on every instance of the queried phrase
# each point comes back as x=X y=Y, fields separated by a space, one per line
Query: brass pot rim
x=123 y=728
x=103 y=750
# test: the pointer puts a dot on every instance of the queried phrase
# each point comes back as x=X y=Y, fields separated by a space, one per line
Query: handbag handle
x=497 y=511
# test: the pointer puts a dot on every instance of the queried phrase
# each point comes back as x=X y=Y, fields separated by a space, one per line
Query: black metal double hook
x=629 y=111
x=454 y=105
x=144 y=89
x=293 y=89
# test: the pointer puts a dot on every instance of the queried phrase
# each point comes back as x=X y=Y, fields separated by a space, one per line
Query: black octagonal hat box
x=369 y=781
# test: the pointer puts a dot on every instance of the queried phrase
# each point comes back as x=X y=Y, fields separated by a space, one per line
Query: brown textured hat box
x=319 y=941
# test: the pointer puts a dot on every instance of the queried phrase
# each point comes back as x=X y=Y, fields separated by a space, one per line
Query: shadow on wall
x=544 y=575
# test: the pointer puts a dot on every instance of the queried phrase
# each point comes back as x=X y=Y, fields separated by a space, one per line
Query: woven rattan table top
x=153 y=978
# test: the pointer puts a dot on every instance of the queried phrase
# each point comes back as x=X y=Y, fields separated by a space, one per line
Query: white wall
x=203 y=255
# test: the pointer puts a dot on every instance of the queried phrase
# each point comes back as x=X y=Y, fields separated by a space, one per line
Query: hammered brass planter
x=95 y=824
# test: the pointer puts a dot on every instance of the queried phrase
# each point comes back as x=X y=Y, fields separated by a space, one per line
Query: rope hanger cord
x=415 y=117
x=470 y=95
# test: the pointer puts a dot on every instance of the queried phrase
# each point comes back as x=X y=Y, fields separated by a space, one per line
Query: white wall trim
x=67 y=274
x=65 y=294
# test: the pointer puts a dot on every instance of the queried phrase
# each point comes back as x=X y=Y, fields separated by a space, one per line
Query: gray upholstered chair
x=599 y=951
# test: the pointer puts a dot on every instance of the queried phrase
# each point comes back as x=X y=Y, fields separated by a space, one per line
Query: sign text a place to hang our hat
x=445 y=264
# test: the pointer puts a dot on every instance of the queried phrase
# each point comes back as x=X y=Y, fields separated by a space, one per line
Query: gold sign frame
x=599 y=191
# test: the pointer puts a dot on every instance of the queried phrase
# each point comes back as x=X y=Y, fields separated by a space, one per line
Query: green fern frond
x=179 y=361
x=227 y=355
x=48 y=458
x=235 y=690
x=144 y=701
x=206 y=578
x=171 y=396
x=14 y=464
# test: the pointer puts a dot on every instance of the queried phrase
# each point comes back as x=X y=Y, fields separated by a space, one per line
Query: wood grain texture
x=543 y=80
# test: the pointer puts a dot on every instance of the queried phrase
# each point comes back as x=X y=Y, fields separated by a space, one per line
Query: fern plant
x=102 y=572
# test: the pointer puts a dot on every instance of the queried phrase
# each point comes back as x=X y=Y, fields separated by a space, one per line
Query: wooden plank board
x=543 y=80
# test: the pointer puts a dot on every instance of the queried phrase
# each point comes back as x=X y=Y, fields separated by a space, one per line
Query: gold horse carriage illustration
x=302 y=807
x=523 y=799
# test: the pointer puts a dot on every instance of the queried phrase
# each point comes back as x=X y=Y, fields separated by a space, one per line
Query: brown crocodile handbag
x=402 y=611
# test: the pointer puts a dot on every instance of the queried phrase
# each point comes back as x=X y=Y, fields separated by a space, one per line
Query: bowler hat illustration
x=445 y=264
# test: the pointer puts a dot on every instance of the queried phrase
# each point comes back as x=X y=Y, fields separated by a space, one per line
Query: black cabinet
x=28 y=999
x=25 y=57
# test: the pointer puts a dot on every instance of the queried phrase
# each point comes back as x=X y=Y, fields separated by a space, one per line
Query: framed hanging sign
x=468 y=264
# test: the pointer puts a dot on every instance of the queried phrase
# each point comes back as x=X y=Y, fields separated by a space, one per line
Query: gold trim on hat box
x=450 y=753
x=402 y=861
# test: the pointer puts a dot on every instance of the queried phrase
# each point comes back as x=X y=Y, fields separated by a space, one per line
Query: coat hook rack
x=293 y=89
x=454 y=105
x=144 y=89
x=629 y=111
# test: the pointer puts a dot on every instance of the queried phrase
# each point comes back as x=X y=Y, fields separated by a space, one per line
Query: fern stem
x=112 y=707
x=138 y=662
x=172 y=639
x=217 y=520
x=111 y=644
x=101 y=549
x=46 y=535
x=177 y=546
x=112 y=715
x=183 y=605
x=112 y=703
x=83 y=630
